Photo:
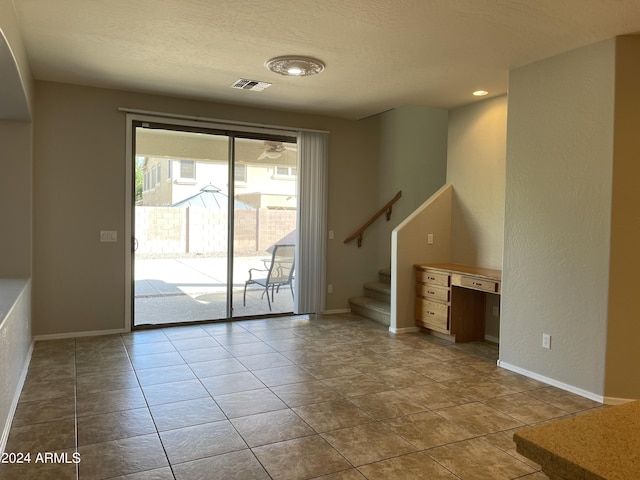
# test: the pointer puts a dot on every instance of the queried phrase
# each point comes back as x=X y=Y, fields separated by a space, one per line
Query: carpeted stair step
x=371 y=308
x=378 y=291
x=384 y=274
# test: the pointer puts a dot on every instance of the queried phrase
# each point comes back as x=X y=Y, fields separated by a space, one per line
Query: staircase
x=376 y=304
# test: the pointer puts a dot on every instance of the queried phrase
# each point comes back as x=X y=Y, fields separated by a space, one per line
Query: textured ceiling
x=379 y=54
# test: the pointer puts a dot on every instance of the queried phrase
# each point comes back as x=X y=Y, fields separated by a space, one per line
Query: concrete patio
x=193 y=288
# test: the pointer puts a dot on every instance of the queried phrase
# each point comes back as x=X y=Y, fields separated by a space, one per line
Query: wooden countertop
x=463 y=269
x=601 y=445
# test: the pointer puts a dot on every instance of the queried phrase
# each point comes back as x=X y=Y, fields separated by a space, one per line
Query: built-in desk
x=450 y=299
x=604 y=444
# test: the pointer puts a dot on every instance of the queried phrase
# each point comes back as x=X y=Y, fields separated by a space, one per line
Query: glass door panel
x=181 y=225
x=264 y=228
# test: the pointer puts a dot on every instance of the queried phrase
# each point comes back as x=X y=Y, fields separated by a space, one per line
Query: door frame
x=234 y=130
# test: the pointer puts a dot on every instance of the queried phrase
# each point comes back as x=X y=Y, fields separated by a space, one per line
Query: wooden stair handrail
x=388 y=207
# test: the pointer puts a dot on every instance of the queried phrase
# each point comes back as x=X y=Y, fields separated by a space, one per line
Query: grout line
x=135 y=372
x=361 y=344
x=75 y=403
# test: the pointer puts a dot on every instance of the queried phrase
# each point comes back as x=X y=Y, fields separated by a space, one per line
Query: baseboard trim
x=404 y=329
x=492 y=339
x=93 y=333
x=553 y=383
x=16 y=397
x=617 y=401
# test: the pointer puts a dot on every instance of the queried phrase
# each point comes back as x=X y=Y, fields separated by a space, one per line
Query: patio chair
x=278 y=274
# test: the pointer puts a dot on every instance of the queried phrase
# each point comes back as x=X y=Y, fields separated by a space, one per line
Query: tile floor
x=335 y=397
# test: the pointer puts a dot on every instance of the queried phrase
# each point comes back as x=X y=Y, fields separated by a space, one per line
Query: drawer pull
x=435 y=278
x=431 y=292
x=430 y=313
x=476 y=283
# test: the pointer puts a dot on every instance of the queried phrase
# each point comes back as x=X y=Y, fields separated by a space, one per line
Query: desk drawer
x=432 y=314
x=479 y=284
x=432 y=292
x=433 y=278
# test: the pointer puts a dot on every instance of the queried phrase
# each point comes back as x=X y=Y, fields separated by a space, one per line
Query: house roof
x=379 y=54
x=211 y=197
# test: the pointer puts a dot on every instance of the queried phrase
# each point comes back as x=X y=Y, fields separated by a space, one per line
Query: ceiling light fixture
x=480 y=93
x=295 y=66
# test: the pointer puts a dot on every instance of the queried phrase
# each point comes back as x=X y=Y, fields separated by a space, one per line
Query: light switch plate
x=108 y=236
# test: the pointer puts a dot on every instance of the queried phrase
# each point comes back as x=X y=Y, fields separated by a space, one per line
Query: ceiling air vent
x=254 y=85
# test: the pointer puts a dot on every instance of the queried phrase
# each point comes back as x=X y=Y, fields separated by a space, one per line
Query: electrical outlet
x=546 y=341
x=330 y=288
x=430 y=238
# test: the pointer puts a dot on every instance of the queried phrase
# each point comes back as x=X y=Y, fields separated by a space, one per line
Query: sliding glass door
x=264 y=226
x=211 y=210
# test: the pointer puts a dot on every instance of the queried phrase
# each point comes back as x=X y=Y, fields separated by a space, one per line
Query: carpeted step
x=371 y=308
x=378 y=291
x=384 y=274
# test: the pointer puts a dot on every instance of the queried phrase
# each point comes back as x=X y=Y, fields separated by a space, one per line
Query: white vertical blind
x=311 y=243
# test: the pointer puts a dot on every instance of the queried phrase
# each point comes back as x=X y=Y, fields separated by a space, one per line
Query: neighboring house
x=264 y=172
x=193 y=177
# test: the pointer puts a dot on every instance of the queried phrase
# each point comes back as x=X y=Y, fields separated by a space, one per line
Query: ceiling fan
x=272 y=150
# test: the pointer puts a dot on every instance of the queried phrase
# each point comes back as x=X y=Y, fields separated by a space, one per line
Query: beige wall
x=557 y=217
x=412 y=157
x=623 y=328
x=476 y=159
x=15 y=138
x=79 y=184
x=476 y=169
x=15 y=199
x=16 y=91
x=349 y=266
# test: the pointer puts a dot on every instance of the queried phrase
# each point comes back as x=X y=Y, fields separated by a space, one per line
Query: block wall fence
x=170 y=230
